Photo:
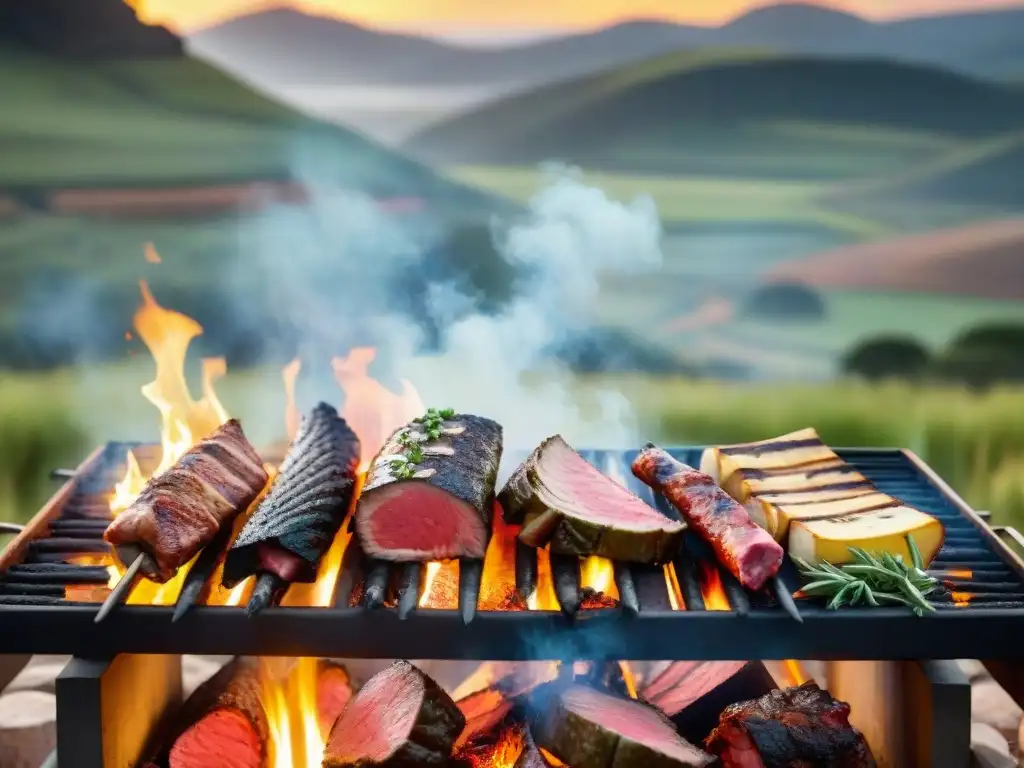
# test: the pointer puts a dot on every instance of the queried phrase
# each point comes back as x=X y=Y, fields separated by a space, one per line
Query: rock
x=991 y=705
x=989 y=748
x=28 y=728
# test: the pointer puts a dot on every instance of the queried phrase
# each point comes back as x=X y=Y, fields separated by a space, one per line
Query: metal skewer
x=200 y=573
x=267 y=591
x=785 y=598
x=122 y=589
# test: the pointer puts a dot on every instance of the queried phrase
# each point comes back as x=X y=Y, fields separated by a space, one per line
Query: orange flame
x=794 y=672
x=184 y=421
x=629 y=678
x=544 y=597
x=440 y=589
x=598 y=573
x=961 y=599
x=551 y=760
x=959 y=574
x=498 y=581
x=296 y=739
x=292 y=418
x=675 y=593
x=372 y=410
x=712 y=590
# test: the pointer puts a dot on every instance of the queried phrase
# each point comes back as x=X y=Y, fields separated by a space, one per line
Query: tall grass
x=975 y=441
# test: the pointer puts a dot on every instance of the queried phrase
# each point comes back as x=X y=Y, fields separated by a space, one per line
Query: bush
x=979 y=367
x=785 y=301
x=1008 y=337
x=886 y=357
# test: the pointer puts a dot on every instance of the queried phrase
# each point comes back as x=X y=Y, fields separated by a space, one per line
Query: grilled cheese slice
x=785 y=452
x=776 y=512
x=830 y=475
x=879 y=531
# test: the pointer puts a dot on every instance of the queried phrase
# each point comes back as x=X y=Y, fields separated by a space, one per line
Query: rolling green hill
x=736 y=113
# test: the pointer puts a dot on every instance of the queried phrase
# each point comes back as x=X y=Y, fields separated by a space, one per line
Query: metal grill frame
x=760 y=633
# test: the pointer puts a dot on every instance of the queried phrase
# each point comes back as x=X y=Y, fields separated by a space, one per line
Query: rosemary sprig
x=871 y=580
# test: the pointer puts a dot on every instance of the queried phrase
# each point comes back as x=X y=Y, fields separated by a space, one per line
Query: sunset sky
x=184 y=15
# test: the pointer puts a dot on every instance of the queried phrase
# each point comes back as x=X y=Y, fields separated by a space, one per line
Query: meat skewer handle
x=123 y=588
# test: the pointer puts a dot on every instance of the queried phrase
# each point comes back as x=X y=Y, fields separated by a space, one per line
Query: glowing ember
x=440 y=587
x=502 y=754
x=372 y=410
x=551 y=760
x=961 y=599
x=629 y=678
x=184 y=421
x=292 y=418
x=959 y=574
x=543 y=597
x=712 y=590
x=675 y=594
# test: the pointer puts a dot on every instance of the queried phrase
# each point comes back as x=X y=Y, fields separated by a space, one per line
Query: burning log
x=333 y=693
x=225 y=712
x=484 y=711
x=400 y=717
x=582 y=726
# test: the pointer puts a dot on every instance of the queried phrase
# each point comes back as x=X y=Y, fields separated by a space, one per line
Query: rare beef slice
x=432 y=498
x=399 y=719
x=559 y=498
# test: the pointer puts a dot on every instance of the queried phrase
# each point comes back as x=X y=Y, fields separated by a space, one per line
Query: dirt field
x=983 y=260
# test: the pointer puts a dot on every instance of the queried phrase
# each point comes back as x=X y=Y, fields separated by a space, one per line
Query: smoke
x=334 y=272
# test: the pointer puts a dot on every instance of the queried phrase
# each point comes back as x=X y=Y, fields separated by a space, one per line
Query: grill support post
x=912 y=713
x=108 y=711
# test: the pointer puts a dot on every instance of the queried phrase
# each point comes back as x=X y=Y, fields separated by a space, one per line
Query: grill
x=54 y=575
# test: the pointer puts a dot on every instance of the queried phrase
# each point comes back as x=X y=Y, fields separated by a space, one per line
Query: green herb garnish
x=871 y=580
x=431 y=426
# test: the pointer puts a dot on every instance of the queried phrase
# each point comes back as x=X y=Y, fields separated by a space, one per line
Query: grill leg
x=938 y=703
x=874 y=691
x=108 y=710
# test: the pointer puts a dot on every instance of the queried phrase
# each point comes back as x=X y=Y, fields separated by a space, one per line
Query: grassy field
x=974 y=441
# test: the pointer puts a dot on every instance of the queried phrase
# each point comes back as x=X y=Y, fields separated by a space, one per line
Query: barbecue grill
x=980 y=613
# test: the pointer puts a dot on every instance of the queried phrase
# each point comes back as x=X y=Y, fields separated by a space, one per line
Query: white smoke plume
x=332 y=269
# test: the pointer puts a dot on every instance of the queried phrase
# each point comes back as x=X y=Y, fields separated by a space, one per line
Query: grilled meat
x=802 y=727
x=560 y=498
x=180 y=511
x=399 y=719
x=333 y=693
x=439 y=506
x=226 y=722
x=747 y=550
x=586 y=728
x=298 y=519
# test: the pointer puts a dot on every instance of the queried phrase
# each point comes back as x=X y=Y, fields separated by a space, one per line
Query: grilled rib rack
x=979 y=614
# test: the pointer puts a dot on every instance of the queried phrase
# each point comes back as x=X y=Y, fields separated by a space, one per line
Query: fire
x=372 y=410
x=959 y=574
x=543 y=597
x=291 y=705
x=440 y=588
x=675 y=593
x=961 y=599
x=498 y=581
x=508 y=749
x=184 y=421
x=598 y=573
x=629 y=678
x=712 y=590
x=794 y=672
x=551 y=760
x=292 y=418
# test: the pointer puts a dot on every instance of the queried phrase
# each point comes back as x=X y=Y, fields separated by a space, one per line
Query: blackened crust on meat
x=582 y=726
x=800 y=727
x=181 y=511
x=307 y=503
x=468 y=472
x=235 y=688
x=561 y=500
x=363 y=736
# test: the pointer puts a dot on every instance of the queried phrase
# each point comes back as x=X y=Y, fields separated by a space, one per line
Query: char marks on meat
x=801 y=727
x=444 y=509
x=559 y=498
x=399 y=719
x=747 y=550
x=298 y=519
x=225 y=723
x=587 y=728
x=180 y=511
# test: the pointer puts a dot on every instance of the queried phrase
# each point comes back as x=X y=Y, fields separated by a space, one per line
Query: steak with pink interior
x=333 y=693
x=225 y=723
x=747 y=550
x=399 y=719
x=432 y=498
x=180 y=511
x=559 y=498
x=801 y=727
x=586 y=728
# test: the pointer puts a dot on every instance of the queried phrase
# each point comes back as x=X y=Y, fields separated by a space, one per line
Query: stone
x=28 y=728
x=991 y=705
x=989 y=748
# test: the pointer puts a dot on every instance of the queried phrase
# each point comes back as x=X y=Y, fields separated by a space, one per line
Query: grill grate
x=375 y=613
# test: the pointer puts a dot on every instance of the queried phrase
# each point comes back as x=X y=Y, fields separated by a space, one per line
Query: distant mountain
x=744 y=110
x=93 y=29
x=284 y=48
